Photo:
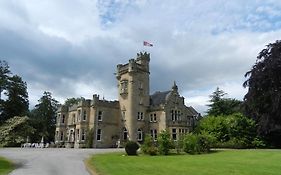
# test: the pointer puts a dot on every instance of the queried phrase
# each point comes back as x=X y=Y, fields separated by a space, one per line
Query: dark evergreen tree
x=44 y=117
x=221 y=105
x=17 y=98
x=4 y=75
x=263 y=99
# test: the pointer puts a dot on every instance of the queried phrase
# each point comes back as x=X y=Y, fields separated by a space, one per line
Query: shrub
x=131 y=148
x=197 y=143
x=258 y=143
x=147 y=144
x=152 y=151
x=191 y=144
x=164 y=142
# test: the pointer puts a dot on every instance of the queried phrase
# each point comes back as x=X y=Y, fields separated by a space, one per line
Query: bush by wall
x=131 y=148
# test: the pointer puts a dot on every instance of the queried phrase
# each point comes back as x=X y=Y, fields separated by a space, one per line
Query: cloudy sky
x=71 y=48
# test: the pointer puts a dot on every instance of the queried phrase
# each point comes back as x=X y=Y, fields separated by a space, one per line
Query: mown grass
x=5 y=166
x=224 y=162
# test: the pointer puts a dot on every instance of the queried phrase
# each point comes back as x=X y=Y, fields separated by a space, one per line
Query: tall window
x=63 y=118
x=123 y=113
x=100 y=116
x=153 y=117
x=175 y=115
x=84 y=115
x=73 y=118
x=57 y=135
x=83 y=134
x=140 y=115
x=153 y=133
x=61 y=135
x=78 y=135
x=140 y=85
x=125 y=134
x=139 y=135
x=79 y=115
x=98 y=134
x=124 y=86
x=174 y=134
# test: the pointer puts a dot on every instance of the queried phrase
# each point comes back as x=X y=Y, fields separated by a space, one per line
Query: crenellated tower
x=133 y=89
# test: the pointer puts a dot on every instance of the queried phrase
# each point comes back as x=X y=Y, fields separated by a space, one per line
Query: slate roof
x=158 y=98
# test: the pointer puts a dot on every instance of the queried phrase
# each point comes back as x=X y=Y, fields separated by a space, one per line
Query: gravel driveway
x=50 y=161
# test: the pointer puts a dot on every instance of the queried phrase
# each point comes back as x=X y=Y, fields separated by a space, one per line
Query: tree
x=4 y=75
x=164 y=142
x=44 y=117
x=221 y=105
x=17 y=102
x=72 y=101
x=235 y=130
x=15 y=131
x=263 y=99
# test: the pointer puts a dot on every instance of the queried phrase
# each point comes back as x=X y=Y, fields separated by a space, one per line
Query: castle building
x=134 y=115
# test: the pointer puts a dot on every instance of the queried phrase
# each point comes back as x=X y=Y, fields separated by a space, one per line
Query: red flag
x=145 y=43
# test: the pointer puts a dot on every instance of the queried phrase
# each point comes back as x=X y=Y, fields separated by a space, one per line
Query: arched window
x=125 y=134
x=139 y=135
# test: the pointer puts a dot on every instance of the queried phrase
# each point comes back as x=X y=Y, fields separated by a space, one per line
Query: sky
x=71 y=48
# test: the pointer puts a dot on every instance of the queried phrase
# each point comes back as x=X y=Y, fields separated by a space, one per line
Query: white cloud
x=77 y=44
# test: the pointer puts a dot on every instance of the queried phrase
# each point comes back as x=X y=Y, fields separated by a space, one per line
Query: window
x=154 y=118
x=141 y=100
x=57 y=135
x=153 y=133
x=79 y=115
x=84 y=115
x=61 y=135
x=78 y=135
x=125 y=134
x=139 y=135
x=71 y=136
x=98 y=134
x=63 y=118
x=175 y=115
x=123 y=113
x=140 y=85
x=100 y=116
x=124 y=86
x=140 y=115
x=174 y=134
x=73 y=118
x=83 y=134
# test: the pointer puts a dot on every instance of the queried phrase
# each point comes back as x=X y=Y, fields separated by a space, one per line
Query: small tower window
x=124 y=86
x=139 y=135
x=100 y=116
x=84 y=115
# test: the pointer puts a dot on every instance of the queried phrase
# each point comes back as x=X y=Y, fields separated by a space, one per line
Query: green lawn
x=226 y=162
x=5 y=166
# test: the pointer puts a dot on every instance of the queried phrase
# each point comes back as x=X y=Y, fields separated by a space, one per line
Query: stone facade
x=135 y=114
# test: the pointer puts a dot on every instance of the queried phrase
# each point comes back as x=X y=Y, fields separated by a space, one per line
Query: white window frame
x=140 y=135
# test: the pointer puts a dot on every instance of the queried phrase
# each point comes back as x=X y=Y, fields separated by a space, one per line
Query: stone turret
x=133 y=85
